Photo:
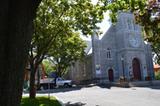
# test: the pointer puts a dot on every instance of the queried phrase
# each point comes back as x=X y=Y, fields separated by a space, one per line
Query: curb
x=60 y=101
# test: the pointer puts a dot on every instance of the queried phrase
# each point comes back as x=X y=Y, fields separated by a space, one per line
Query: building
x=121 y=53
x=81 y=71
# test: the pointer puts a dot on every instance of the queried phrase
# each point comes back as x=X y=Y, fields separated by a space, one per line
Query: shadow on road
x=56 y=90
x=75 y=104
x=79 y=87
x=154 y=87
x=140 y=84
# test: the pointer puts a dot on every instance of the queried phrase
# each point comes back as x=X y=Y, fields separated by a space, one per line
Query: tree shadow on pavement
x=153 y=87
x=141 y=84
x=57 y=90
x=107 y=86
x=75 y=104
x=78 y=87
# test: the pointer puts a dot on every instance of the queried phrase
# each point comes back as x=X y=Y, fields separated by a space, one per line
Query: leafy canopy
x=57 y=24
x=49 y=66
x=66 y=51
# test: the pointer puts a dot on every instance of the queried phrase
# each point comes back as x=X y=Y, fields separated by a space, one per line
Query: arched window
x=129 y=24
x=108 y=53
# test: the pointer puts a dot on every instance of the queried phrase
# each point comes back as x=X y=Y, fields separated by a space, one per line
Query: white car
x=49 y=83
x=62 y=82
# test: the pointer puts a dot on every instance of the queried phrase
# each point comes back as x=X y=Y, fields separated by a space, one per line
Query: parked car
x=62 y=82
x=49 y=83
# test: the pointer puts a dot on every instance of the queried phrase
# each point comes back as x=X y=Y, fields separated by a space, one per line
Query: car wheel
x=41 y=88
x=66 y=85
x=70 y=86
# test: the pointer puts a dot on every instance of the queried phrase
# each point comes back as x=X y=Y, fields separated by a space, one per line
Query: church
x=120 y=54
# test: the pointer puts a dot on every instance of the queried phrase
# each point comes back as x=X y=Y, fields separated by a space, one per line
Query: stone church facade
x=121 y=53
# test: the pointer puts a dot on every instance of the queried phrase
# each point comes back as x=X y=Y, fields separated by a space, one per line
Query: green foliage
x=57 y=24
x=39 y=101
x=57 y=21
x=135 y=6
x=57 y=18
x=156 y=48
x=66 y=51
x=157 y=75
x=48 y=66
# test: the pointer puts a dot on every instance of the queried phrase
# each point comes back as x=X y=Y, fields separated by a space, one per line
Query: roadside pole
x=48 y=90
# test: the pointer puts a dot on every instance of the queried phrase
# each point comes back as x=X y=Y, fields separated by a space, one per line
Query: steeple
x=95 y=54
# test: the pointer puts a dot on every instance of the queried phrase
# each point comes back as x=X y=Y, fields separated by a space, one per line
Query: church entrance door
x=110 y=74
x=136 y=69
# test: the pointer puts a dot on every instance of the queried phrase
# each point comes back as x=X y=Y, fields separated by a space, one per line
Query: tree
x=49 y=66
x=156 y=48
x=66 y=51
x=147 y=14
x=58 y=18
x=16 y=18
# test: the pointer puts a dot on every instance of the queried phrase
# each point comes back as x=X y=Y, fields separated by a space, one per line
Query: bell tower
x=128 y=33
x=96 y=56
x=130 y=46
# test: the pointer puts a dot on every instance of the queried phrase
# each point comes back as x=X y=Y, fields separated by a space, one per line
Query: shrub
x=157 y=75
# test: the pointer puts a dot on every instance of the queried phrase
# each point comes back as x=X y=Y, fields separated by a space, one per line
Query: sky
x=104 y=25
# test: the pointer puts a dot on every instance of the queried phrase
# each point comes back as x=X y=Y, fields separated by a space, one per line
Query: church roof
x=89 y=47
x=106 y=31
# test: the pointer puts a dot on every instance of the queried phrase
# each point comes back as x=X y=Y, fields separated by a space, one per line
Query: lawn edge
x=60 y=101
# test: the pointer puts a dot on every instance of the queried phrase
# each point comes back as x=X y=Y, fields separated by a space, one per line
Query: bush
x=48 y=65
x=157 y=75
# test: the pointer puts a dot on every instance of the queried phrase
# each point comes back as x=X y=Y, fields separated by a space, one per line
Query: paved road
x=114 y=96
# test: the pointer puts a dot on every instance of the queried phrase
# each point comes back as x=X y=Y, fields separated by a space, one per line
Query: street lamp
x=122 y=59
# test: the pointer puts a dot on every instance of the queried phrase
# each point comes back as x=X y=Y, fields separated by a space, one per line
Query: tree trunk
x=34 y=67
x=59 y=71
x=38 y=78
x=32 y=87
x=16 y=18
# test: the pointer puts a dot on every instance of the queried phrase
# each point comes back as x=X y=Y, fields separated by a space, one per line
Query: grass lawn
x=39 y=101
